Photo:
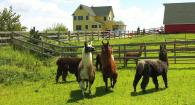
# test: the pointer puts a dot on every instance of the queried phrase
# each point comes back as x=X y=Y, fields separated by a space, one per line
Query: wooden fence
x=86 y=35
x=177 y=50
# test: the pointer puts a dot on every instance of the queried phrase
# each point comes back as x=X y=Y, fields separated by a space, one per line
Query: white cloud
x=44 y=13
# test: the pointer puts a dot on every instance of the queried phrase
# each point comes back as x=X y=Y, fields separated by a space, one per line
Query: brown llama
x=86 y=71
x=134 y=55
x=98 y=62
x=108 y=65
x=65 y=65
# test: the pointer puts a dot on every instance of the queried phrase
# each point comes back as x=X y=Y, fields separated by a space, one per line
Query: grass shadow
x=76 y=95
x=65 y=82
x=149 y=91
x=100 y=91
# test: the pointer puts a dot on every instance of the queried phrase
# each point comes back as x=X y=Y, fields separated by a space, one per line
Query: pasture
x=26 y=79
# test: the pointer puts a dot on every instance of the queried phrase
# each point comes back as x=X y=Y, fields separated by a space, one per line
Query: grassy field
x=27 y=79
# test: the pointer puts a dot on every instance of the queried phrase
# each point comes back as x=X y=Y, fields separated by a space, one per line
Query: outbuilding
x=179 y=17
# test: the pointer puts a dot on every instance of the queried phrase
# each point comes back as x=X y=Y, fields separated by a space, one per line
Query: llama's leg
x=87 y=82
x=114 y=79
x=155 y=81
x=64 y=74
x=76 y=75
x=100 y=66
x=58 y=74
x=164 y=75
x=136 y=80
x=81 y=83
x=126 y=61
x=90 y=84
x=144 y=82
x=106 y=82
x=96 y=65
x=111 y=82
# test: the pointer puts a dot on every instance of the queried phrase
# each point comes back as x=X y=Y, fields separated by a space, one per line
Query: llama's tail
x=59 y=61
x=140 y=67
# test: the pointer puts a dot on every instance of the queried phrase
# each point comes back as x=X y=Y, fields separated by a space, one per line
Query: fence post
x=119 y=53
x=69 y=36
x=114 y=35
x=92 y=36
x=124 y=34
x=175 y=51
x=85 y=36
x=119 y=34
x=145 y=53
x=124 y=59
x=98 y=35
x=78 y=36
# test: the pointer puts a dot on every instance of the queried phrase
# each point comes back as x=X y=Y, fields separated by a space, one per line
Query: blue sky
x=45 y=13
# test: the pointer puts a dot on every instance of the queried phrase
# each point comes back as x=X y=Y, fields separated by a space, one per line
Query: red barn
x=179 y=17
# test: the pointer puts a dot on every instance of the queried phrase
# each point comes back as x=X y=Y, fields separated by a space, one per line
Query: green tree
x=57 y=27
x=10 y=21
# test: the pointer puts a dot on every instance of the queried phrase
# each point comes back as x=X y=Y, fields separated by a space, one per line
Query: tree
x=9 y=21
x=57 y=27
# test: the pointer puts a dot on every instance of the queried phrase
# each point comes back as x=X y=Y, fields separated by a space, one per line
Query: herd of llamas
x=85 y=72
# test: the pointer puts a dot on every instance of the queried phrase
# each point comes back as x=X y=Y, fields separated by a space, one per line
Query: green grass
x=26 y=79
x=144 y=39
x=181 y=91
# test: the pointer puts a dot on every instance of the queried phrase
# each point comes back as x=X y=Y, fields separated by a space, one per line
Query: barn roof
x=179 y=13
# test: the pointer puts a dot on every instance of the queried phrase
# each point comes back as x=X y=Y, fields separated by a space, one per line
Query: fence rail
x=176 y=49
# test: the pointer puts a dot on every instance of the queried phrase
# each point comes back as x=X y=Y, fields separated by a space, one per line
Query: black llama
x=152 y=68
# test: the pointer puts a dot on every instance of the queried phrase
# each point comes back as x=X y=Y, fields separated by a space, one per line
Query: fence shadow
x=148 y=91
x=76 y=95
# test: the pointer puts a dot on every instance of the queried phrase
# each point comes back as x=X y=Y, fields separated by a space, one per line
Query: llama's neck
x=86 y=57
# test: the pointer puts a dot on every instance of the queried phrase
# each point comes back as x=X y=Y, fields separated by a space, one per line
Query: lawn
x=26 y=79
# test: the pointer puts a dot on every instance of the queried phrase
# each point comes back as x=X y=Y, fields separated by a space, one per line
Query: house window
x=100 y=26
x=78 y=27
x=94 y=26
x=104 y=18
x=75 y=17
x=80 y=17
x=86 y=26
x=87 y=17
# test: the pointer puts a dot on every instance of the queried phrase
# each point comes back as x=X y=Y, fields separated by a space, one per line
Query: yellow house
x=95 y=19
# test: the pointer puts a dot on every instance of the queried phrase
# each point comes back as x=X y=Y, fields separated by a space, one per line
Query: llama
x=134 y=55
x=108 y=65
x=152 y=68
x=98 y=62
x=86 y=71
x=67 y=64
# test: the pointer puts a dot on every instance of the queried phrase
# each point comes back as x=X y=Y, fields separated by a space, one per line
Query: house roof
x=179 y=13
x=97 y=11
x=102 y=11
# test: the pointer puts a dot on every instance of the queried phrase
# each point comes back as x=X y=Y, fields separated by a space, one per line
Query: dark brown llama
x=98 y=63
x=67 y=64
x=108 y=65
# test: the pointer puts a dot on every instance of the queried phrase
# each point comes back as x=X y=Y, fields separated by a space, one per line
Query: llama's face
x=106 y=48
x=89 y=47
x=163 y=53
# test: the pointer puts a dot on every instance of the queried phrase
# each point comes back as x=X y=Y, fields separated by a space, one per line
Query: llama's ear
x=161 y=47
x=102 y=42
x=107 y=42
x=91 y=43
x=85 y=44
x=165 y=46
